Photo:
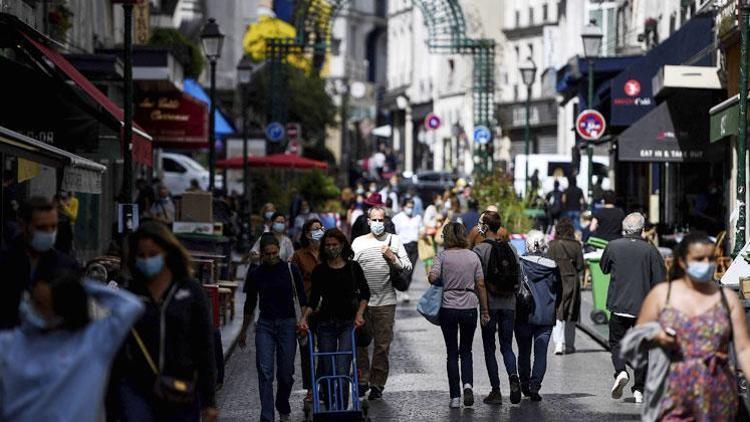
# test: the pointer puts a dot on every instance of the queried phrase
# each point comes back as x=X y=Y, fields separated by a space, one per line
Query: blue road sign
x=275 y=131
x=482 y=135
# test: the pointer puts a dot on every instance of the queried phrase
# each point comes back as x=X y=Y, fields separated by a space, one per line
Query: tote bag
x=432 y=300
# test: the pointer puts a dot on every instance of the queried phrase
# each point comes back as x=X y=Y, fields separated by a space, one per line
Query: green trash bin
x=599 y=288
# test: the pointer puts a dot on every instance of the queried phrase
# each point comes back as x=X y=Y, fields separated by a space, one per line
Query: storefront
x=542 y=125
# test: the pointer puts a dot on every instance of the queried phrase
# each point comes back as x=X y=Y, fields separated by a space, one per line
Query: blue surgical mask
x=408 y=211
x=42 y=241
x=150 y=266
x=317 y=235
x=30 y=315
x=269 y=214
x=279 y=227
x=377 y=227
x=701 y=272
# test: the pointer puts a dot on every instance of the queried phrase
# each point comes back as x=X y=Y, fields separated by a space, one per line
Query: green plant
x=186 y=52
x=59 y=18
x=317 y=187
x=497 y=189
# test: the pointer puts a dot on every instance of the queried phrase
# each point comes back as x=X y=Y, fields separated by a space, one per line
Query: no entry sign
x=432 y=122
x=590 y=125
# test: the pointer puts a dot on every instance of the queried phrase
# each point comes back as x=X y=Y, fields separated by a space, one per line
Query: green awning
x=724 y=119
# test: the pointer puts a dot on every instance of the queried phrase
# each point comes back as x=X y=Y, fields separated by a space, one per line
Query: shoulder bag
x=399 y=276
x=169 y=389
x=432 y=300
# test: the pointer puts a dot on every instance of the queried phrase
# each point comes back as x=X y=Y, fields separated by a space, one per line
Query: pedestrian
x=339 y=297
x=361 y=226
x=573 y=203
x=306 y=259
x=554 y=203
x=146 y=196
x=426 y=247
x=305 y=214
x=635 y=267
x=276 y=287
x=266 y=213
x=195 y=186
x=278 y=230
x=39 y=224
x=460 y=272
x=168 y=370
x=543 y=279
x=377 y=253
x=698 y=321
x=55 y=365
x=163 y=209
x=607 y=220
x=471 y=217
x=568 y=254
x=597 y=191
x=407 y=224
x=501 y=270
x=418 y=204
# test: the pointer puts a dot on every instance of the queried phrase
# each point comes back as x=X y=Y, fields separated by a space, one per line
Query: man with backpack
x=502 y=276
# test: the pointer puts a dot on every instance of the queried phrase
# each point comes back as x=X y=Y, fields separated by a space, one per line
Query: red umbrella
x=276 y=160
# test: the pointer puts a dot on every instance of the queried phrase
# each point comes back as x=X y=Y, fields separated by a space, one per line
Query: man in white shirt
x=376 y=252
x=407 y=224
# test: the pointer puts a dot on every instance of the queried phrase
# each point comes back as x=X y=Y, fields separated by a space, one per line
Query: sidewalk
x=600 y=333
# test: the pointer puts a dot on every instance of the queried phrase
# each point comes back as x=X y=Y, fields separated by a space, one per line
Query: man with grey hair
x=635 y=266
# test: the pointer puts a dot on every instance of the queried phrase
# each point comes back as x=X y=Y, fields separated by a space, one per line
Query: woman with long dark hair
x=567 y=253
x=168 y=371
x=338 y=301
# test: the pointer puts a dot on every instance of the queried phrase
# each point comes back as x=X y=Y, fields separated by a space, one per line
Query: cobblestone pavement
x=575 y=388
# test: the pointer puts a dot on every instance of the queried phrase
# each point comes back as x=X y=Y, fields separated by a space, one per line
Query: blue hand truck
x=333 y=386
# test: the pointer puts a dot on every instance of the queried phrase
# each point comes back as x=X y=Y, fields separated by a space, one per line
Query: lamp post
x=244 y=75
x=591 y=36
x=212 y=40
x=528 y=74
x=127 y=105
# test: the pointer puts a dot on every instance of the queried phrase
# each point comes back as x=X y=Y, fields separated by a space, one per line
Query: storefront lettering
x=168 y=103
x=638 y=101
x=675 y=154
x=160 y=115
x=48 y=137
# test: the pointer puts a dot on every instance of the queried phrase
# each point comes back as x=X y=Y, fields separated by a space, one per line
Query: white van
x=180 y=169
x=557 y=167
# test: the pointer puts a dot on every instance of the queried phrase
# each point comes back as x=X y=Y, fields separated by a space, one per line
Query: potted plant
x=60 y=21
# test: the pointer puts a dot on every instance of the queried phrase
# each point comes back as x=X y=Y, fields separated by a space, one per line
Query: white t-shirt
x=407 y=227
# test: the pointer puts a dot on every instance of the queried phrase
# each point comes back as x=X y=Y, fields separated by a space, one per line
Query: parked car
x=180 y=169
x=428 y=183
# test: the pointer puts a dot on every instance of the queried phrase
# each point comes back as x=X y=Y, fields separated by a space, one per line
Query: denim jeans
x=453 y=322
x=275 y=339
x=539 y=335
x=501 y=322
x=335 y=336
x=137 y=405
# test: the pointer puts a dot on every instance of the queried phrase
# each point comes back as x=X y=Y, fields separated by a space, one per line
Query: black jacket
x=635 y=266
x=188 y=341
x=361 y=228
x=15 y=267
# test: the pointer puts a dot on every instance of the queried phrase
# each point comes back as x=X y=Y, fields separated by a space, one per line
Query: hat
x=374 y=200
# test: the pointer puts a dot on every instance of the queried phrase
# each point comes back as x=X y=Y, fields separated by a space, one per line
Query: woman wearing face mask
x=168 y=367
x=276 y=288
x=305 y=214
x=339 y=298
x=697 y=320
x=278 y=229
x=306 y=259
x=54 y=366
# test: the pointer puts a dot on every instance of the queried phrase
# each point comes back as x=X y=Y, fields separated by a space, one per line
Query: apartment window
x=518 y=18
x=531 y=16
x=545 y=12
x=672 y=23
x=515 y=92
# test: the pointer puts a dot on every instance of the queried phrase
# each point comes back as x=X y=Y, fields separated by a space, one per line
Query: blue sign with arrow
x=482 y=135
x=275 y=131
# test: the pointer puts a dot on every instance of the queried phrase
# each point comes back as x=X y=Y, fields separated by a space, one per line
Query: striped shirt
x=376 y=268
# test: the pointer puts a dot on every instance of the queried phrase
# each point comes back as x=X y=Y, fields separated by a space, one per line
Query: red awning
x=141 y=140
x=276 y=161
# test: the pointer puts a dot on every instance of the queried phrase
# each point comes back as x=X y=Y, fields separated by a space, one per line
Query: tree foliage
x=186 y=52
x=497 y=189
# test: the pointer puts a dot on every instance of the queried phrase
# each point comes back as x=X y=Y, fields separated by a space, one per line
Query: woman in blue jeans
x=277 y=287
x=543 y=278
x=461 y=274
x=338 y=301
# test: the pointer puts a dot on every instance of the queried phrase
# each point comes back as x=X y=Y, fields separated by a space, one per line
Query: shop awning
x=725 y=118
x=669 y=133
x=274 y=161
x=222 y=125
x=141 y=140
x=79 y=174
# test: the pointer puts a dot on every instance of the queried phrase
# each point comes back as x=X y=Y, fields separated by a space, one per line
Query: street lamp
x=528 y=74
x=127 y=105
x=244 y=75
x=212 y=40
x=592 y=44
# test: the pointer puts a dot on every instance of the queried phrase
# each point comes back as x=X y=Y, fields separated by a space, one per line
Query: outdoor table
x=233 y=286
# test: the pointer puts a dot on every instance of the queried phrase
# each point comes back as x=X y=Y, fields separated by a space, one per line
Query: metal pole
x=212 y=130
x=246 y=183
x=527 y=135
x=127 y=133
x=739 y=236
x=590 y=147
x=345 y=147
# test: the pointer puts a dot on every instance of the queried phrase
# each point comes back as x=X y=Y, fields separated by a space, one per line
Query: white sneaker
x=455 y=403
x=620 y=382
x=559 y=348
x=638 y=396
x=405 y=297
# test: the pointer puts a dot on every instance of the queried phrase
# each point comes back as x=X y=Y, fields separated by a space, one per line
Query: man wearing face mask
x=19 y=264
x=376 y=253
x=635 y=266
x=407 y=224
x=361 y=226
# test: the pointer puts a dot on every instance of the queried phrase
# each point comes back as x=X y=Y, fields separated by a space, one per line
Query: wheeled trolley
x=333 y=386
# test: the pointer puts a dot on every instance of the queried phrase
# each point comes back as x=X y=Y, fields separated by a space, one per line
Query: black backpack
x=502 y=268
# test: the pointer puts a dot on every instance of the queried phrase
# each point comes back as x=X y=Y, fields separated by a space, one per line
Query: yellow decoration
x=27 y=170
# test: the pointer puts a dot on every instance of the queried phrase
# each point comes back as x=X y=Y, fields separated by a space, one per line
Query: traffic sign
x=590 y=125
x=293 y=131
x=432 y=122
x=482 y=135
x=274 y=131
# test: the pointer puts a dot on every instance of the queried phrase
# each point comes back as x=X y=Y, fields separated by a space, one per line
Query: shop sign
x=173 y=118
x=81 y=180
x=724 y=123
x=632 y=90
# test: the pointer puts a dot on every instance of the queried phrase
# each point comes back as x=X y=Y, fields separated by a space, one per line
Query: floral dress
x=700 y=384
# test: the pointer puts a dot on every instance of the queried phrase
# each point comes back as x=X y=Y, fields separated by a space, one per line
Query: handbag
x=301 y=337
x=169 y=389
x=525 y=304
x=399 y=276
x=432 y=300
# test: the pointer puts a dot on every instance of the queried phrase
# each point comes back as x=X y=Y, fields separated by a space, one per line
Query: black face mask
x=334 y=252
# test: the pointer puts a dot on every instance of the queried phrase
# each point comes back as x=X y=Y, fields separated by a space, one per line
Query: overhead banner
x=173 y=119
